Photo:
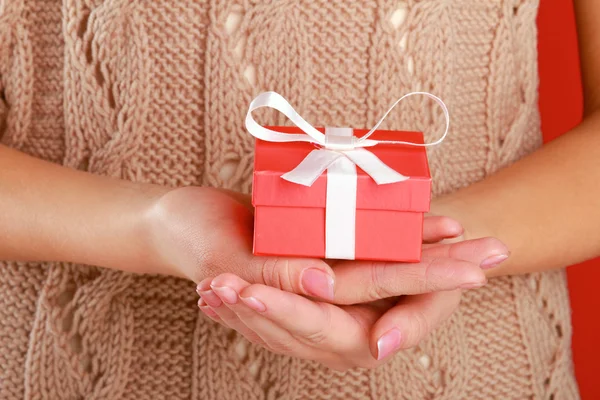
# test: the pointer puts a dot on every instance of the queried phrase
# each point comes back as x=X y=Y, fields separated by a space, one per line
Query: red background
x=561 y=108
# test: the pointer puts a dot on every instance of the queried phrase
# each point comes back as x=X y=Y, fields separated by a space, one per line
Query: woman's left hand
x=340 y=337
x=380 y=307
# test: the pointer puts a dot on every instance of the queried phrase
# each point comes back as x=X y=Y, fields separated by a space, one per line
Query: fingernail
x=211 y=298
x=201 y=303
x=254 y=304
x=318 y=283
x=388 y=343
x=473 y=285
x=227 y=294
x=208 y=311
x=493 y=261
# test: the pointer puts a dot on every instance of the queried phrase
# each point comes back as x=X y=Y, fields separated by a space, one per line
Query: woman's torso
x=157 y=92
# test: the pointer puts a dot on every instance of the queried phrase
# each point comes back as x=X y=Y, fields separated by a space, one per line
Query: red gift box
x=290 y=219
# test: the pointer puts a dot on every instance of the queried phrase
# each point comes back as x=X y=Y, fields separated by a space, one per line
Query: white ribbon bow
x=339 y=153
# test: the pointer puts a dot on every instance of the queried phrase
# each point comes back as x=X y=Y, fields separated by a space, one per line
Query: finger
x=366 y=282
x=443 y=267
x=436 y=228
x=487 y=252
x=306 y=276
x=320 y=325
x=209 y=312
x=207 y=295
x=225 y=295
x=250 y=311
x=410 y=321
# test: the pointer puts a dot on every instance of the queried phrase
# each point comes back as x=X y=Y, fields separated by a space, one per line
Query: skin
x=289 y=305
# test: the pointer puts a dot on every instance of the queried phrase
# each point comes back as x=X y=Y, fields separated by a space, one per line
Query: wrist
x=106 y=224
x=159 y=221
x=143 y=255
x=55 y=213
x=119 y=227
x=477 y=222
x=458 y=207
x=192 y=231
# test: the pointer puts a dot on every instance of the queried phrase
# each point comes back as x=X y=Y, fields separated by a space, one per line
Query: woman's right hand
x=198 y=232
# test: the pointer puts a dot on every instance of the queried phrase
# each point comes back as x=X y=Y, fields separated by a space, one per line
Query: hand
x=339 y=337
x=362 y=335
x=198 y=232
x=203 y=232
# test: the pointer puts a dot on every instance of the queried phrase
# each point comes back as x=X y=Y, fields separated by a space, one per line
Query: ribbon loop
x=276 y=101
x=365 y=138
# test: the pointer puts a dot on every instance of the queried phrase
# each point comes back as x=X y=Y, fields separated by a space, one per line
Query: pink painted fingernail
x=254 y=304
x=318 y=283
x=388 y=343
x=493 y=261
x=227 y=294
x=211 y=298
x=201 y=302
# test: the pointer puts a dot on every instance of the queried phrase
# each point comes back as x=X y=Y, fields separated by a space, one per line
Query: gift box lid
x=272 y=159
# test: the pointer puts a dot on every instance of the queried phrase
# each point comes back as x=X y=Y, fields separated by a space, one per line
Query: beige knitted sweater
x=156 y=91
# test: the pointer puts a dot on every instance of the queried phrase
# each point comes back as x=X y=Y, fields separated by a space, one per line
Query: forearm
x=52 y=213
x=546 y=207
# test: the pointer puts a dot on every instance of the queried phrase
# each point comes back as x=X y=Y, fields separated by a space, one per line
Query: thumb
x=305 y=276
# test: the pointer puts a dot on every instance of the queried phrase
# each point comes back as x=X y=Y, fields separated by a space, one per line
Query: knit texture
x=156 y=91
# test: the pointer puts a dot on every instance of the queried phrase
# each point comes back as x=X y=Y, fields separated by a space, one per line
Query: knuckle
x=316 y=337
x=427 y=281
x=276 y=272
x=378 y=287
x=424 y=280
x=267 y=269
x=420 y=328
x=321 y=335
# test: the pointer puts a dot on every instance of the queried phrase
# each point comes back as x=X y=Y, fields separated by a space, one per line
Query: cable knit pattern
x=156 y=91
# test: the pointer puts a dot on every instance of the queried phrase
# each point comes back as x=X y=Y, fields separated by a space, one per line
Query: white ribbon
x=339 y=154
